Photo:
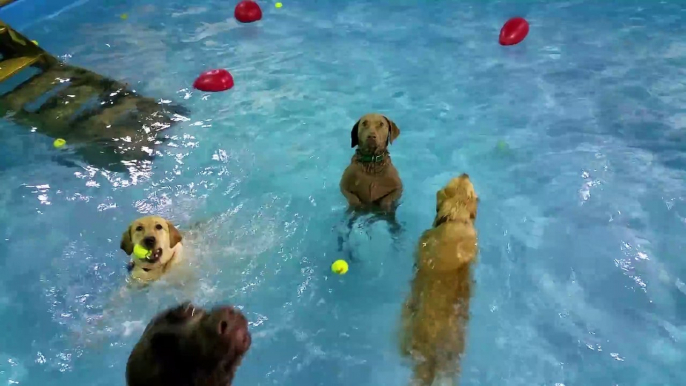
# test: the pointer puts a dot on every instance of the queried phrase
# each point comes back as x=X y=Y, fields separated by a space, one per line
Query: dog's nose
x=233 y=327
x=149 y=242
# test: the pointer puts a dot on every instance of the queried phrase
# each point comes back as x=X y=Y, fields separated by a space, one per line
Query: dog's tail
x=426 y=373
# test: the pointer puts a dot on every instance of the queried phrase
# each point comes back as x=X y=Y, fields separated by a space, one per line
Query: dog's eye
x=139 y=228
x=158 y=227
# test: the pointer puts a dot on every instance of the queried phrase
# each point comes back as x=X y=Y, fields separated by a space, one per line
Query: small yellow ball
x=502 y=146
x=124 y=16
x=278 y=5
x=140 y=252
x=34 y=42
x=339 y=267
x=59 y=142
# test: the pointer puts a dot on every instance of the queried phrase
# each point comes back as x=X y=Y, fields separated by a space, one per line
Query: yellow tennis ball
x=59 y=142
x=140 y=252
x=124 y=16
x=278 y=5
x=340 y=267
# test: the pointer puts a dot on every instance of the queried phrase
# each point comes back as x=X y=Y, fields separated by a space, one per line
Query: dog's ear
x=472 y=208
x=441 y=217
x=126 y=244
x=174 y=235
x=440 y=197
x=393 y=131
x=354 y=137
x=475 y=203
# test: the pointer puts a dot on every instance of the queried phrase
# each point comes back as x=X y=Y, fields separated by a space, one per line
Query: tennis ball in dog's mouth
x=141 y=252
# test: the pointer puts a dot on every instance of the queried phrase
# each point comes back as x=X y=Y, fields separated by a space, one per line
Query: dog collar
x=440 y=221
x=446 y=219
x=166 y=266
x=370 y=158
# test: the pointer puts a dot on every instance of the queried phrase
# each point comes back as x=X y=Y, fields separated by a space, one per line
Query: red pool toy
x=214 y=81
x=247 y=11
x=514 y=31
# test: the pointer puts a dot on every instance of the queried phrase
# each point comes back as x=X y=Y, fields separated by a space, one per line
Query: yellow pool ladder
x=81 y=106
x=5 y=2
x=24 y=54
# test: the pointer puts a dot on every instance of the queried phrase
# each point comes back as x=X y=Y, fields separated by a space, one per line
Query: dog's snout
x=149 y=241
x=233 y=327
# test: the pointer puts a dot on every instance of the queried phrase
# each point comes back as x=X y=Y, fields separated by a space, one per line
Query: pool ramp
x=108 y=124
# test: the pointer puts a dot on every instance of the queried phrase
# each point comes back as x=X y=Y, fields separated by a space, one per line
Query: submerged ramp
x=108 y=125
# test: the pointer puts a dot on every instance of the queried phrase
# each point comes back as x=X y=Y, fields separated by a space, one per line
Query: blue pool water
x=575 y=141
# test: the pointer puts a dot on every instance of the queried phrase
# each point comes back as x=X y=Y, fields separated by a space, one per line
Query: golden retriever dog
x=159 y=236
x=371 y=180
x=435 y=315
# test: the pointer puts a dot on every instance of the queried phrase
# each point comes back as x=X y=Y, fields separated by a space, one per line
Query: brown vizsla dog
x=371 y=181
x=435 y=314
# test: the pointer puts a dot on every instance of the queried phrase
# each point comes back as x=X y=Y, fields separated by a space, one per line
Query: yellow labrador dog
x=435 y=314
x=371 y=181
x=158 y=235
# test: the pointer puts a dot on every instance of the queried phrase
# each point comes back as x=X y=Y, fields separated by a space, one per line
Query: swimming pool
x=577 y=134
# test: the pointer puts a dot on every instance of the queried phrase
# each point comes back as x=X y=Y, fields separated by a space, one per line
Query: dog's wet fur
x=435 y=315
x=188 y=346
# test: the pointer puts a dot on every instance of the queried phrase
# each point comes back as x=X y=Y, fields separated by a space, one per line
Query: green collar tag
x=370 y=158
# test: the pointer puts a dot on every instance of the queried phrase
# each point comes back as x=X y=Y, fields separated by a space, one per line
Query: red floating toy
x=214 y=81
x=514 y=31
x=247 y=11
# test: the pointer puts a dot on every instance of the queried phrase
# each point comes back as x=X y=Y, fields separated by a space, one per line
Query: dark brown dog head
x=373 y=133
x=188 y=346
